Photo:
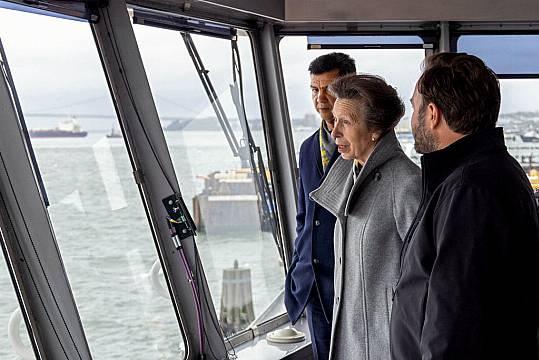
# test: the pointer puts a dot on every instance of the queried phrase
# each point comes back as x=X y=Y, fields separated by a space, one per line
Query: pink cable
x=194 y=290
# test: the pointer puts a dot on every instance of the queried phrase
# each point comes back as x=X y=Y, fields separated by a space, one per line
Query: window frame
x=487 y=30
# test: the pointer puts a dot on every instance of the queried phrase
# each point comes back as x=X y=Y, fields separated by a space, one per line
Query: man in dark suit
x=309 y=282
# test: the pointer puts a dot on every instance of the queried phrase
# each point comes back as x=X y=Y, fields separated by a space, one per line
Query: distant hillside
x=520 y=115
x=92 y=122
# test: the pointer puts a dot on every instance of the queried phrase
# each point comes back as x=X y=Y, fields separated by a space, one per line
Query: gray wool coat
x=373 y=216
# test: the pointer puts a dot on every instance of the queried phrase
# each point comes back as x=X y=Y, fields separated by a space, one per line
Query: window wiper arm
x=212 y=95
x=246 y=150
x=257 y=166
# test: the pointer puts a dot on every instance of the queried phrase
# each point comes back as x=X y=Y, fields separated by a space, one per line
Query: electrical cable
x=200 y=286
x=196 y=297
x=206 y=301
x=189 y=275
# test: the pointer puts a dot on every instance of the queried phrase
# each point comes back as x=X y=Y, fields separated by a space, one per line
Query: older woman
x=373 y=189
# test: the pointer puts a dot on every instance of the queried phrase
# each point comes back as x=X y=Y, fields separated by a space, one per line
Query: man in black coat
x=469 y=284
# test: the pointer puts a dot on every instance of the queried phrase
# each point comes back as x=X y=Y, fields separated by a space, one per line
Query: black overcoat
x=469 y=283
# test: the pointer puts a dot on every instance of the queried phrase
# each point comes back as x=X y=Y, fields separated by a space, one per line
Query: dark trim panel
x=31 y=250
x=279 y=132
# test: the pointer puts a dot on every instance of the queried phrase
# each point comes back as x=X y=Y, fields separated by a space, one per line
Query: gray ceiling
x=330 y=11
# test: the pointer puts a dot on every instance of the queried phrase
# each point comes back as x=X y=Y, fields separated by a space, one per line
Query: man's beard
x=425 y=141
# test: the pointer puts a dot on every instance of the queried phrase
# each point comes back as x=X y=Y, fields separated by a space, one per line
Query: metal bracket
x=180 y=218
x=256 y=332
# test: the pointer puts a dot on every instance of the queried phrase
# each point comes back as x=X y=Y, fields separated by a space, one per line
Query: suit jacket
x=313 y=260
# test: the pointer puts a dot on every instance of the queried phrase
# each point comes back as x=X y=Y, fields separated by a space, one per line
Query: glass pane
x=505 y=54
x=401 y=74
x=519 y=116
x=35 y=10
x=95 y=210
x=220 y=186
x=364 y=40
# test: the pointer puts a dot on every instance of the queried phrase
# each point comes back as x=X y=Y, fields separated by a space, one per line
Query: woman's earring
x=373 y=139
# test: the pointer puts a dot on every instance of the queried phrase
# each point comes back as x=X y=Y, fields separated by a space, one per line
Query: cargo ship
x=67 y=128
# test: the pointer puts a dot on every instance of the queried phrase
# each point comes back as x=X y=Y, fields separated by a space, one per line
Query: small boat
x=530 y=136
x=114 y=134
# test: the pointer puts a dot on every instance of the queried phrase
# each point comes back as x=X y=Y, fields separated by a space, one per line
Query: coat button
x=340 y=260
x=317 y=223
x=377 y=176
x=337 y=300
x=316 y=261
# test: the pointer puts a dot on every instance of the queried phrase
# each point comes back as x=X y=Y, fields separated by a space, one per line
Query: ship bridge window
x=399 y=66
x=515 y=59
x=510 y=56
x=366 y=42
x=95 y=208
x=219 y=162
x=73 y=10
x=519 y=117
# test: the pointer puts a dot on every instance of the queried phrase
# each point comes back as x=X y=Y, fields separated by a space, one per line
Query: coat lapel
x=387 y=148
x=338 y=188
x=333 y=192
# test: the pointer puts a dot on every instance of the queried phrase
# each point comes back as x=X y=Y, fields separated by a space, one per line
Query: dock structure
x=236 y=300
x=229 y=202
x=528 y=161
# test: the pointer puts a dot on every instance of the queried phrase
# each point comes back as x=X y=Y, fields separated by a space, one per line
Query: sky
x=57 y=69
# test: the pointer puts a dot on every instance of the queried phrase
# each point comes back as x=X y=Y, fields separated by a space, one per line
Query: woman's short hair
x=379 y=104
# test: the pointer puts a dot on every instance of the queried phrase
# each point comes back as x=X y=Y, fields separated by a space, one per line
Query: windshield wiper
x=247 y=150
